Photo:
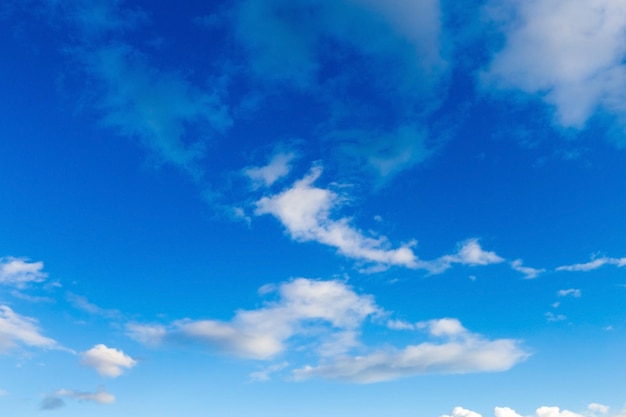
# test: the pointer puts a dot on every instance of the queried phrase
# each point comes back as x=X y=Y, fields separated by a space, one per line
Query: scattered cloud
x=531 y=273
x=598 y=408
x=82 y=303
x=264 y=374
x=570 y=53
x=278 y=167
x=17 y=330
x=551 y=317
x=51 y=403
x=55 y=400
x=462 y=412
x=20 y=272
x=460 y=352
x=469 y=253
x=107 y=361
x=155 y=106
x=31 y=298
x=571 y=292
x=327 y=309
x=328 y=316
x=593 y=264
x=306 y=211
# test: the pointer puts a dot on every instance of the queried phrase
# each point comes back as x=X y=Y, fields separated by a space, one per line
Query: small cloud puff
x=107 y=361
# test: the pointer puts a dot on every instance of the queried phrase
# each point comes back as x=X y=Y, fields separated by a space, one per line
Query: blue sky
x=302 y=208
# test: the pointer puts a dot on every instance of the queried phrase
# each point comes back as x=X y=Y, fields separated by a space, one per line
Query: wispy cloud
x=306 y=210
x=593 y=264
x=55 y=400
x=334 y=315
x=19 y=272
x=17 y=330
x=570 y=292
x=460 y=352
x=154 y=106
x=82 y=303
x=570 y=53
x=530 y=273
x=107 y=361
x=278 y=167
x=263 y=333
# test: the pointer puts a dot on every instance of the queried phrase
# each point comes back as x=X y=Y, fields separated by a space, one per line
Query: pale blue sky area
x=284 y=208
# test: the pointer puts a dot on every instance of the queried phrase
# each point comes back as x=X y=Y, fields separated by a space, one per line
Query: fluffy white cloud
x=505 y=412
x=306 y=210
x=328 y=317
x=278 y=167
x=461 y=352
x=462 y=412
x=530 y=273
x=470 y=253
x=18 y=330
x=19 y=272
x=107 y=361
x=329 y=309
x=569 y=52
x=593 y=264
x=555 y=412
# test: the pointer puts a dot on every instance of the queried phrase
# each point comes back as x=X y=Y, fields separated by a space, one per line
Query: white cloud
x=306 y=212
x=571 y=292
x=107 y=361
x=400 y=325
x=551 y=317
x=505 y=412
x=18 y=330
x=278 y=167
x=593 y=264
x=55 y=400
x=462 y=412
x=531 y=273
x=463 y=352
x=569 y=52
x=555 y=412
x=3 y=392
x=443 y=327
x=326 y=318
x=470 y=253
x=598 y=408
x=330 y=309
x=20 y=272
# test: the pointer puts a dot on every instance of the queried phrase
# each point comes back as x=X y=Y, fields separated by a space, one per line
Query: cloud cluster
x=17 y=330
x=593 y=409
x=19 y=272
x=308 y=214
x=333 y=315
x=107 y=361
x=568 y=52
